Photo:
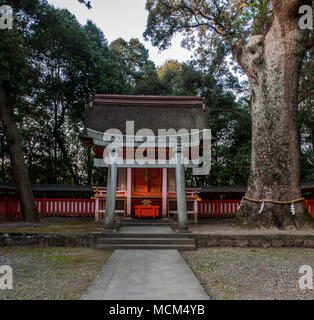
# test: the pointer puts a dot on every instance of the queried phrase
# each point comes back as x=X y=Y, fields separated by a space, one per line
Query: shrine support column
x=129 y=192
x=164 y=192
x=181 y=196
x=111 y=196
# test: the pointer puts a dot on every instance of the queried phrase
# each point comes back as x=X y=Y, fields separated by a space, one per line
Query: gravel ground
x=224 y=226
x=51 y=273
x=251 y=274
x=53 y=225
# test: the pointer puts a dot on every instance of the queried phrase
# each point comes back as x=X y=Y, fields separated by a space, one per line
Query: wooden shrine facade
x=134 y=190
x=147 y=188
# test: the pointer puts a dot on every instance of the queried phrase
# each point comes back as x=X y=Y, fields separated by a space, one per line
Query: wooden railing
x=10 y=207
x=217 y=208
x=310 y=206
x=100 y=201
x=190 y=193
x=229 y=208
x=48 y=207
x=66 y=207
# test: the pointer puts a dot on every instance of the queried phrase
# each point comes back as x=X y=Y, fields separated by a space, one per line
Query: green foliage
x=50 y=64
x=180 y=78
x=56 y=64
x=229 y=119
x=133 y=61
x=211 y=28
x=205 y=22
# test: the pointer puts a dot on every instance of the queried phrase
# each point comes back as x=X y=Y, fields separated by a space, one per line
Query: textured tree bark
x=17 y=159
x=272 y=64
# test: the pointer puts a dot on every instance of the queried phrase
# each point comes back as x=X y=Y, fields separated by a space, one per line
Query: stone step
x=143 y=235
x=178 y=241
x=146 y=246
x=145 y=223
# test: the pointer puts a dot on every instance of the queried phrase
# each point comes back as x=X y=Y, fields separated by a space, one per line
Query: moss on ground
x=67 y=226
x=51 y=273
x=234 y=273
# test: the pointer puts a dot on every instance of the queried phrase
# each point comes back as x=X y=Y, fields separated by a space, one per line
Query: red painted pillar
x=164 y=192
x=129 y=192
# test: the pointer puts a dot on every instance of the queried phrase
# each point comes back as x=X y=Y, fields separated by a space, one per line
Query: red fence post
x=44 y=208
x=220 y=208
x=310 y=206
x=50 y=207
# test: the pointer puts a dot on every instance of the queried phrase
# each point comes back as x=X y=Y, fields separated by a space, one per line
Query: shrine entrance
x=146 y=193
x=151 y=162
x=147 y=181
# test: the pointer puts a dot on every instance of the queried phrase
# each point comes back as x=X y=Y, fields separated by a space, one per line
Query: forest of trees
x=50 y=64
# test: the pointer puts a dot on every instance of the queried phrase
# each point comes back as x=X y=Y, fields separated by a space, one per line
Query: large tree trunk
x=17 y=159
x=272 y=64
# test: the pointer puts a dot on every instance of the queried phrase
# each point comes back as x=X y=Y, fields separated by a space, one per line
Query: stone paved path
x=145 y=275
x=146 y=229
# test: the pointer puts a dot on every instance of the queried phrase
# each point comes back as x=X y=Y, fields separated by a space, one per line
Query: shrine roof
x=152 y=112
x=147 y=100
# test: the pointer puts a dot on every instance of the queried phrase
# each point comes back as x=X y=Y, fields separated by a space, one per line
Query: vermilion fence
x=66 y=207
x=218 y=208
x=9 y=207
x=310 y=206
x=229 y=208
x=50 y=207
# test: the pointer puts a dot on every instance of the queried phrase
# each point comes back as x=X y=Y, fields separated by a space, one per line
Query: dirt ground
x=51 y=273
x=69 y=225
x=251 y=274
x=223 y=226
x=53 y=225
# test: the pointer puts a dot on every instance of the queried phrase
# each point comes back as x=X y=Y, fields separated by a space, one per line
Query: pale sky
x=125 y=19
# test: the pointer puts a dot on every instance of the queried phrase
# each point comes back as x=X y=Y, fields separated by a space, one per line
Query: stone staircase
x=121 y=240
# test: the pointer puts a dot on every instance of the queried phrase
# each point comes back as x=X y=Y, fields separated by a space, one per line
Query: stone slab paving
x=146 y=229
x=146 y=274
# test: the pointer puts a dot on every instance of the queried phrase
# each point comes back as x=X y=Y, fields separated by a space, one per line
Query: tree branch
x=87 y=3
x=212 y=19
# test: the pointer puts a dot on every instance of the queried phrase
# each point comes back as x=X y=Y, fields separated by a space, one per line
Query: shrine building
x=146 y=142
